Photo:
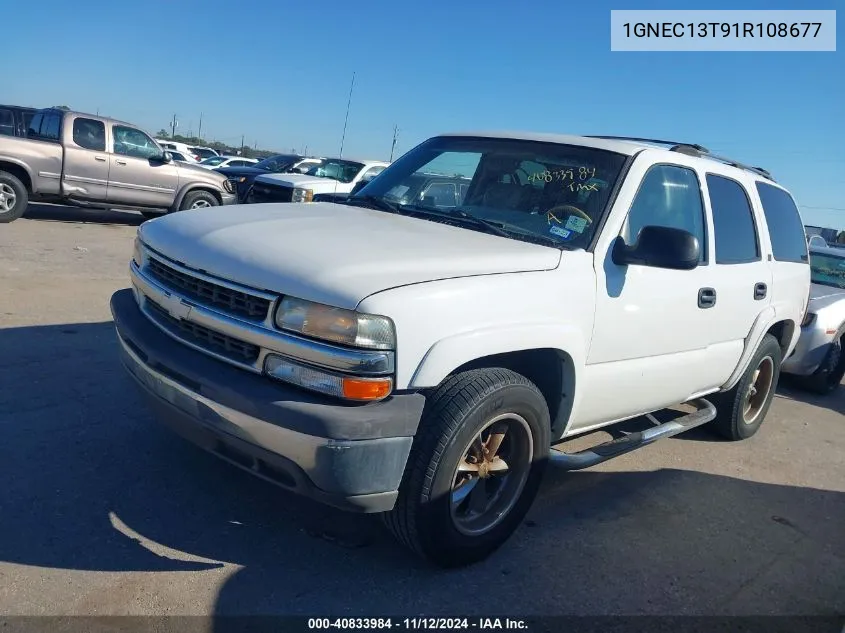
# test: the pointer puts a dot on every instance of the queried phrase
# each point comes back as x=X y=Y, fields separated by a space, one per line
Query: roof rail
x=691 y=149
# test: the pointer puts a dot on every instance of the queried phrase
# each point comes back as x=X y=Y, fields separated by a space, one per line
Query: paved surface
x=102 y=512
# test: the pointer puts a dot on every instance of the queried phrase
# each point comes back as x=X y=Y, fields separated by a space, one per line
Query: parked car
x=214 y=162
x=179 y=157
x=331 y=176
x=203 y=152
x=243 y=177
x=176 y=146
x=92 y=161
x=818 y=358
x=421 y=361
x=433 y=189
x=14 y=120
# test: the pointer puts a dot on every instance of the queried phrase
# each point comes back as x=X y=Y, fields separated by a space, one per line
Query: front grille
x=270 y=193
x=234 y=302
x=208 y=339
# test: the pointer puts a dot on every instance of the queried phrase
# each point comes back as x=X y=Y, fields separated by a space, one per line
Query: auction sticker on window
x=564 y=233
x=575 y=223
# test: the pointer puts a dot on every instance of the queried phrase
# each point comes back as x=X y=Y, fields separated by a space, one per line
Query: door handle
x=102 y=159
x=706 y=298
x=120 y=162
x=760 y=291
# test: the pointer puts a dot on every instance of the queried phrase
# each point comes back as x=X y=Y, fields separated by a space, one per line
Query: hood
x=318 y=185
x=192 y=171
x=822 y=296
x=332 y=253
x=240 y=171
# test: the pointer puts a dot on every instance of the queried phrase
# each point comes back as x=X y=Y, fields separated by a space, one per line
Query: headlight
x=337 y=325
x=808 y=319
x=302 y=195
x=228 y=186
x=348 y=387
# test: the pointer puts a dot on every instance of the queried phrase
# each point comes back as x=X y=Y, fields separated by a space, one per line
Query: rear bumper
x=348 y=456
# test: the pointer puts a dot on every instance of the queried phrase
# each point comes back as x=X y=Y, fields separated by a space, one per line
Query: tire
x=14 y=197
x=461 y=410
x=828 y=377
x=151 y=215
x=739 y=412
x=198 y=200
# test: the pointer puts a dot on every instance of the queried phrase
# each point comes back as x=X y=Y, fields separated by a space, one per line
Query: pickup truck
x=91 y=161
x=425 y=361
x=330 y=176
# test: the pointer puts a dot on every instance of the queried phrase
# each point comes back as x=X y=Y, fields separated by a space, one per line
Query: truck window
x=785 y=227
x=7 y=122
x=131 y=142
x=669 y=195
x=733 y=222
x=89 y=134
x=50 y=126
x=34 y=128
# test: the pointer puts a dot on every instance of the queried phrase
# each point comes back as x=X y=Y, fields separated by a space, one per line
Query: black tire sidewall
x=437 y=530
x=820 y=381
x=191 y=197
x=739 y=429
x=22 y=197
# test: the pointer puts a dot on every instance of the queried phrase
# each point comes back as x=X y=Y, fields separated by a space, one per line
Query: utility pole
x=393 y=146
x=242 y=143
x=199 y=132
x=173 y=125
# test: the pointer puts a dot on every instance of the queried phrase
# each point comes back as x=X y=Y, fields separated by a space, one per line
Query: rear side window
x=733 y=222
x=45 y=126
x=785 y=228
x=34 y=128
x=89 y=134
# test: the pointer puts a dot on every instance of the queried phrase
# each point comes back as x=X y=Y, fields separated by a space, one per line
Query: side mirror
x=164 y=157
x=659 y=247
x=359 y=185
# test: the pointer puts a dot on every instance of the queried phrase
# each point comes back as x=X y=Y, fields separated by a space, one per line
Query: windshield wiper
x=373 y=202
x=490 y=227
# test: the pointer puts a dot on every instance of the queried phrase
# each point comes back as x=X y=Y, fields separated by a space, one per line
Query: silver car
x=818 y=359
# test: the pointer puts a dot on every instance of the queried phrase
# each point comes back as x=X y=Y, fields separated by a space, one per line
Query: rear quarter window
x=786 y=230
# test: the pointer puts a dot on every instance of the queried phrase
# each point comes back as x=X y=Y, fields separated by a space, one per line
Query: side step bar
x=614 y=448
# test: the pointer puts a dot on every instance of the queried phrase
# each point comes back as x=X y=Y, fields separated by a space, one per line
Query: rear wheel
x=13 y=197
x=742 y=409
x=828 y=377
x=475 y=467
x=198 y=200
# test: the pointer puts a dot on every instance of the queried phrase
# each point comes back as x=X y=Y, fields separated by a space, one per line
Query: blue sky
x=279 y=73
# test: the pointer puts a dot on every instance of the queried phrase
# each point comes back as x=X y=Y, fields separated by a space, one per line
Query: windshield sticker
x=556 y=230
x=551 y=216
x=574 y=223
x=570 y=174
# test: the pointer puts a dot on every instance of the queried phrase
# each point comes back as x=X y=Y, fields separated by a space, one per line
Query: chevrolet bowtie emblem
x=177 y=308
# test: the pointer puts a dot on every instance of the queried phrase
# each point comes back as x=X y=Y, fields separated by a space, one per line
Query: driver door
x=135 y=177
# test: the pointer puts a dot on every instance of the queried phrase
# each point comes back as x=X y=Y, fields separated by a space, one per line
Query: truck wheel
x=13 y=197
x=474 y=468
x=742 y=409
x=198 y=200
x=828 y=376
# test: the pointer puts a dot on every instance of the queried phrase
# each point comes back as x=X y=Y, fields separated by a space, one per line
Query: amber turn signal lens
x=357 y=389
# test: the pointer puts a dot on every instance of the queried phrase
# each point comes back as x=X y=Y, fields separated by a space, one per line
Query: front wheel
x=198 y=200
x=475 y=467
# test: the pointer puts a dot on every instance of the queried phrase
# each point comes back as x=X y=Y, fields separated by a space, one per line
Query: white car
x=176 y=146
x=227 y=161
x=179 y=157
x=332 y=175
x=421 y=357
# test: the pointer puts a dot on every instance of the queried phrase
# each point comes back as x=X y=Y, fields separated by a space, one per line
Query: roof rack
x=690 y=149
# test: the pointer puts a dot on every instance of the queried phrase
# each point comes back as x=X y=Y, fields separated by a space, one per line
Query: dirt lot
x=103 y=512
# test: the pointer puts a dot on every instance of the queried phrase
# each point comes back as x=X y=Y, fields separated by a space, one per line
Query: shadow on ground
x=77 y=215
x=89 y=483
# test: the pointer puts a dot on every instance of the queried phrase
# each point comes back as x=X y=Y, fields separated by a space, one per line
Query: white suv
x=392 y=355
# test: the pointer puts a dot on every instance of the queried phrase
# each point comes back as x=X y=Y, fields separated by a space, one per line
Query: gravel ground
x=103 y=512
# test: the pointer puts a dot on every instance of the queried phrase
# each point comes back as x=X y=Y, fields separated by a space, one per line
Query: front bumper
x=348 y=456
x=813 y=345
x=228 y=198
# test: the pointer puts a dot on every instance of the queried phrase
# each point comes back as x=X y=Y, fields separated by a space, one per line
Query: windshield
x=277 y=163
x=827 y=269
x=341 y=170
x=214 y=160
x=535 y=191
